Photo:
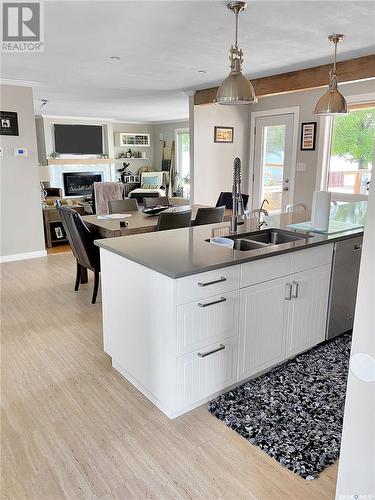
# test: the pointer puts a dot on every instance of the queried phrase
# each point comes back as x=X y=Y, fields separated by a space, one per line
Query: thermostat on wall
x=20 y=152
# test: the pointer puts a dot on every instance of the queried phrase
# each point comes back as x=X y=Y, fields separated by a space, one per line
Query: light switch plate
x=301 y=167
x=20 y=152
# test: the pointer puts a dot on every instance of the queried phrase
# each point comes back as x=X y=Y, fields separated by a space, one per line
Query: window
x=182 y=181
x=352 y=153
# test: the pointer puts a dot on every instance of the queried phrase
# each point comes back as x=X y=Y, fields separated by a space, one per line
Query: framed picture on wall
x=223 y=134
x=8 y=123
x=308 y=136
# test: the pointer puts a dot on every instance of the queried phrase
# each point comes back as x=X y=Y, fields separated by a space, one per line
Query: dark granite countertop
x=183 y=252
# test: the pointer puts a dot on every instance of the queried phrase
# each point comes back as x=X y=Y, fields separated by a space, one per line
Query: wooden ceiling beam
x=360 y=68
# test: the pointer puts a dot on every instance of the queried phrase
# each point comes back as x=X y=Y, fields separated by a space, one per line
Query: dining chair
x=225 y=198
x=157 y=200
x=295 y=207
x=82 y=243
x=123 y=206
x=173 y=220
x=209 y=215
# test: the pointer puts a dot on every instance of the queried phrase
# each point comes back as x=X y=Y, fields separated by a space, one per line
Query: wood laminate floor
x=73 y=428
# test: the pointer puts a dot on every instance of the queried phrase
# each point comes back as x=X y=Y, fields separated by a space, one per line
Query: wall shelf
x=128 y=139
x=78 y=161
x=132 y=159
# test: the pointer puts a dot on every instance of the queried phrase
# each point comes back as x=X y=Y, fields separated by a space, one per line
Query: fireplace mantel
x=78 y=161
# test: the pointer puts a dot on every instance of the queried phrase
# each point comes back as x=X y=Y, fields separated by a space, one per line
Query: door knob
x=286 y=189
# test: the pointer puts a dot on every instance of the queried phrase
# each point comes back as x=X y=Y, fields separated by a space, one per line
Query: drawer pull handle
x=208 y=283
x=288 y=291
x=357 y=248
x=206 y=304
x=294 y=289
x=204 y=354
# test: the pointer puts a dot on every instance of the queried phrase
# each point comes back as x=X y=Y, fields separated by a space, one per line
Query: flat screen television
x=78 y=139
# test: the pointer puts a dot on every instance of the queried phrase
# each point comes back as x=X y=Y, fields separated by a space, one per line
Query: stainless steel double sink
x=265 y=238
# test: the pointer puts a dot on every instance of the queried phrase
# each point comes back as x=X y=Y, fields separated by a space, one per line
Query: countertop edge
x=332 y=239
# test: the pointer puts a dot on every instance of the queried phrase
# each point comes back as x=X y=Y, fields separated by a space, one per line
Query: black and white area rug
x=294 y=412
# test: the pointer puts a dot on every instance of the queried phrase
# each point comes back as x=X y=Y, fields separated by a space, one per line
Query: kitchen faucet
x=263 y=202
x=237 y=200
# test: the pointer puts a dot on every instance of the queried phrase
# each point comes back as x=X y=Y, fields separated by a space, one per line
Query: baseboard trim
x=23 y=256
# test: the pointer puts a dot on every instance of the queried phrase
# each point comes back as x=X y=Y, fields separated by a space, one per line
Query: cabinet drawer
x=311 y=257
x=266 y=269
x=204 y=322
x=208 y=284
x=204 y=372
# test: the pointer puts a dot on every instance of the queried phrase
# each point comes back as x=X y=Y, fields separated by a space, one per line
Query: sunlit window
x=352 y=153
x=183 y=163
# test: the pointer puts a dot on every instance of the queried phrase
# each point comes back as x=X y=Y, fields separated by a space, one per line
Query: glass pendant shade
x=236 y=88
x=332 y=102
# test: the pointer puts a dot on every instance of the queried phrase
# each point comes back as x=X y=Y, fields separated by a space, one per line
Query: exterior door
x=273 y=174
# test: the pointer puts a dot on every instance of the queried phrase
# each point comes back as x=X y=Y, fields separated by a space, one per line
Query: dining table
x=136 y=222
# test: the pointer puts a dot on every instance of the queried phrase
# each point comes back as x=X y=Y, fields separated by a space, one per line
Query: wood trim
x=361 y=105
x=360 y=68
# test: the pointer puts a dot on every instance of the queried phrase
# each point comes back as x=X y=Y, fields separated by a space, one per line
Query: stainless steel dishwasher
x=344 y=283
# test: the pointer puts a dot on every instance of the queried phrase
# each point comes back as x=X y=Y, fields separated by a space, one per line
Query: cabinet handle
x=206 y=304
x=357 y=248
x=208 y=283
x=295 y=289
x=288 y=291
x=204 y=354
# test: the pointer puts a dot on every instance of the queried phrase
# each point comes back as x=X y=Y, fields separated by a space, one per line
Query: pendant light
x=236 y=88
x=332 y=102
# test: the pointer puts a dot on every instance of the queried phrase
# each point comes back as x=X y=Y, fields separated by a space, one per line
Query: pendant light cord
x=335 y=55
x=236 y=45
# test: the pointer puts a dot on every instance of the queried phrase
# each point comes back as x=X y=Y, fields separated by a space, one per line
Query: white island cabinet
x=183 y=341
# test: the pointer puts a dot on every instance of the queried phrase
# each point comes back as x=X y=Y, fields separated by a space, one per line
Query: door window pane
x=273 y=166
x=352 y=152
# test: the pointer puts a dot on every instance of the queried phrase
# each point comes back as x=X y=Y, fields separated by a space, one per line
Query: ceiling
x=163 y=45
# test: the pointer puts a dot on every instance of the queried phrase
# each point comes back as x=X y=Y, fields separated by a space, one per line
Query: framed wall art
x=8 y=123
x=223 y=134
x=308 y=136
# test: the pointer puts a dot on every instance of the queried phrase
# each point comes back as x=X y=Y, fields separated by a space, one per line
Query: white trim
x=324 y=152
x=23 y=256
x=18 y=83
x=85 y=118
x=272 y=112
x=165 y=122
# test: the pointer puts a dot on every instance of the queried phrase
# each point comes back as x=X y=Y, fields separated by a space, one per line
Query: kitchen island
x=184 y=320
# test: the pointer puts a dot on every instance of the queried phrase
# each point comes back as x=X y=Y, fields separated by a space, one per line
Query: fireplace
x=80 y=183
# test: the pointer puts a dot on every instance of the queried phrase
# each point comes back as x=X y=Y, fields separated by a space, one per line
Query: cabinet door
x=262 y=326
x=206 y=321
x=308 y=309
x=205 y=372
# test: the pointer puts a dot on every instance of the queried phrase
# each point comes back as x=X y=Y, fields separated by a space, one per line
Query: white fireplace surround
x=55 y=172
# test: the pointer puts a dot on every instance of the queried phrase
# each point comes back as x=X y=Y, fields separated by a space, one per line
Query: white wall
x=357 y=457
x=21 y=210
x=167 y=131
x=213 y=162
x=142 y=128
